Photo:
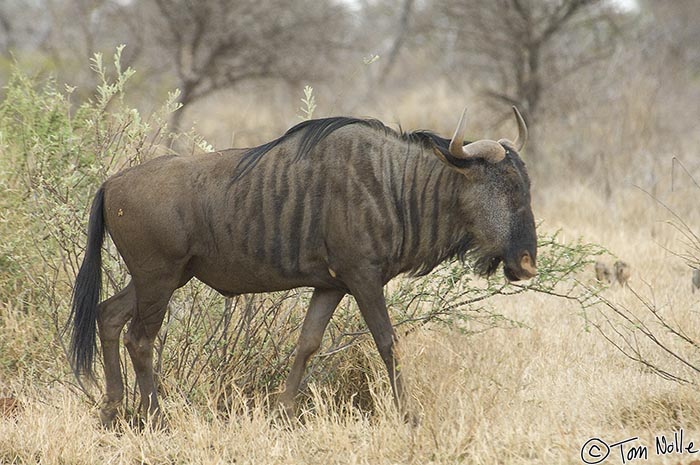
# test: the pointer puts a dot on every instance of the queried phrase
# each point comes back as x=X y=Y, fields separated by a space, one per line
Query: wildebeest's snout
x=520 y=266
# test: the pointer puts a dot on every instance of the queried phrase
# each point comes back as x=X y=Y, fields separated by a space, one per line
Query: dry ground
x=532 y=395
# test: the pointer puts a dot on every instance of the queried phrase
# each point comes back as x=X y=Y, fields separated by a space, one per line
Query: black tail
x=86 y=293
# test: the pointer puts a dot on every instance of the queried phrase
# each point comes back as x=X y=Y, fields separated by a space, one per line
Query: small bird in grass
x=696 y=279
x=622 y=272
x=602 y=272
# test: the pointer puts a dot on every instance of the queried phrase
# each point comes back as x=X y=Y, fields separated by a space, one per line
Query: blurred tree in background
x=60 y=36
x=519 y=49
x=560 y=61
x=215 y=44
x=676 y=28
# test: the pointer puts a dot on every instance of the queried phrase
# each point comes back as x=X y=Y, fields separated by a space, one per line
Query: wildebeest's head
x=498 y=203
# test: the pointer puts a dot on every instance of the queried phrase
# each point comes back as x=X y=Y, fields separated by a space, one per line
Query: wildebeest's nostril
x=527 y=266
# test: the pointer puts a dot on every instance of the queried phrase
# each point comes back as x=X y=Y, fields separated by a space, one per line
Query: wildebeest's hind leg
x=112 y=315
x=321 y=308
x=152 y=297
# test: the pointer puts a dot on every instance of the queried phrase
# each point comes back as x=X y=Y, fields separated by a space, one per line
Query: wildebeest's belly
x=245 y=275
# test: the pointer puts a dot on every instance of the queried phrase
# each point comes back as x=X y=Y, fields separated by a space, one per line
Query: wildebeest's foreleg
x=113 y=314
x=321 y=308
x=370 y=299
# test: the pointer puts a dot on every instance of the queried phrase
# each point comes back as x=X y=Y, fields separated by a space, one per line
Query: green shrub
x=53 y=156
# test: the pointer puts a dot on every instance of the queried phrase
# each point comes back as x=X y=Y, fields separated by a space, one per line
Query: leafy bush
x=53 y=156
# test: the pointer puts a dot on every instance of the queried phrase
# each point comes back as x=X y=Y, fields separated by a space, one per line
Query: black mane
x=315 y=130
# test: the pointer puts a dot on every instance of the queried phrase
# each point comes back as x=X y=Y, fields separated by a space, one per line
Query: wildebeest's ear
x=456 y=164
x=441 y=156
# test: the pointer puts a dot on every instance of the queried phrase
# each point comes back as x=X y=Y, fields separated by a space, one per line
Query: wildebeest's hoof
x=108 y=413
x=284 y=414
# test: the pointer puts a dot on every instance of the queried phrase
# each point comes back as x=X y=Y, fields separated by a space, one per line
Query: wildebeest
x=338 y=204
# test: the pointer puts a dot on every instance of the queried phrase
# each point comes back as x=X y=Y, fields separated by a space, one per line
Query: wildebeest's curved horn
x=458 y=137
x=521 y=140
x=490 y=150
